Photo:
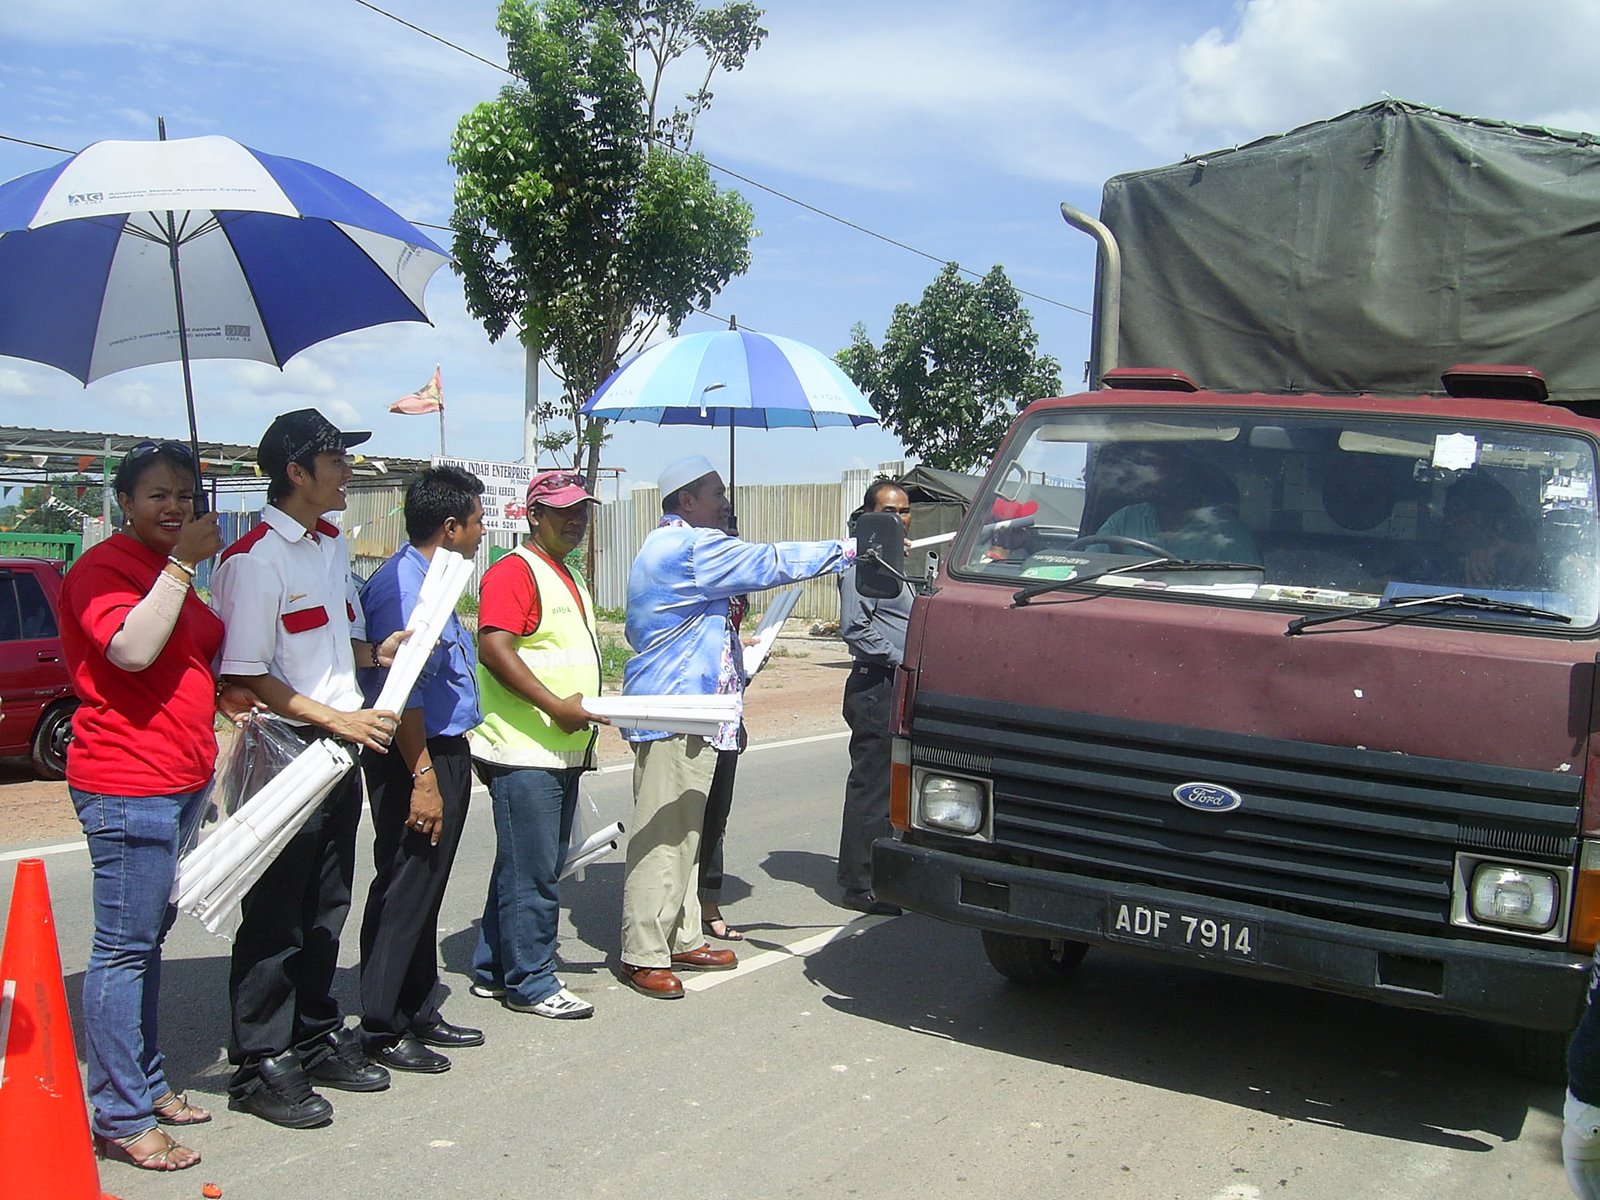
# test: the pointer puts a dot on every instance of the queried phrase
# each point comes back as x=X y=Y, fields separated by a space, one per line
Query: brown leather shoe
x=656 y=982
x=706 y=959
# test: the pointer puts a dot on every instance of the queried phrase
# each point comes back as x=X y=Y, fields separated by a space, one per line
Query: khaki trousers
x=660 y=906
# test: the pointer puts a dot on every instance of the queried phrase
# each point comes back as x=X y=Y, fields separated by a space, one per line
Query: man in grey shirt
x=875 y=631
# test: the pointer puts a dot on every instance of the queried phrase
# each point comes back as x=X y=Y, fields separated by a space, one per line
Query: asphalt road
x=871 y=1057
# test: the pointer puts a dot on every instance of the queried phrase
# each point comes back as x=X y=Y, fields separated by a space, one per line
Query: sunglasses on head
x=150 y=447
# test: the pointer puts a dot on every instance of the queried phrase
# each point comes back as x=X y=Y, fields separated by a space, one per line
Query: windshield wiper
x=1154 y=564
x=1395 y=611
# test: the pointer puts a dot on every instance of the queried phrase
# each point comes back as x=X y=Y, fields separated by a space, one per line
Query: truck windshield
x=1329 y=510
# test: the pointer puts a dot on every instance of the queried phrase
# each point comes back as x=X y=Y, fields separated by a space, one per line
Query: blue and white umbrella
x=733 y=378
x=132 y=253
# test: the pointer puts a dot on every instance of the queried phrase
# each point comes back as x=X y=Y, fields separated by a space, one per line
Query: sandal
x=151 y=1150
x=727 y=934
x=174 y=1109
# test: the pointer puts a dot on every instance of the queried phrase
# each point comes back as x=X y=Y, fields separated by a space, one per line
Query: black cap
x=298 y=435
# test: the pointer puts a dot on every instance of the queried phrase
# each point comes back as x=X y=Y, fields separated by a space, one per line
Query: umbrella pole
x=200 y=508
x=733 y=518
x=183 y=355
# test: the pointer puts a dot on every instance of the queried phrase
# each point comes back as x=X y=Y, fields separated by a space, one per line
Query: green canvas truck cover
x=1366 y=253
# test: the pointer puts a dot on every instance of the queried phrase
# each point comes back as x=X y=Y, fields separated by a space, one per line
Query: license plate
x=1184 y=930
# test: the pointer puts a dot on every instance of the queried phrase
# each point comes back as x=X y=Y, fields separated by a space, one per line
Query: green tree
x=57 y=507
x=954 y=368
x=580 y=217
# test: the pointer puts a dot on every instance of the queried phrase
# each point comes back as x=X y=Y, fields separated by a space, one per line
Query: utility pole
x=530 y=405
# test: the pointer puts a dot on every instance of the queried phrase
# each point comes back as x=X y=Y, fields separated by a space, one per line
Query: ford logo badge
x=1207 y=797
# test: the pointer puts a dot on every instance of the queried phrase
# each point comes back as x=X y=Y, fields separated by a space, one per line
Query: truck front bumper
x=1532 y=987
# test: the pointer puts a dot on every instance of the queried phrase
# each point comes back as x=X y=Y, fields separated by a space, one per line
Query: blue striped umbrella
x=733 y=378
x=132 y=253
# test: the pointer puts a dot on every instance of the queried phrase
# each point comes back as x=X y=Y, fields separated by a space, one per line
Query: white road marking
x=41 y=851
x=783 y=745
x=477 y=790
x=805 y=946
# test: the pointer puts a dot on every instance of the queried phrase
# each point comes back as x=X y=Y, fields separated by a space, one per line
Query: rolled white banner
x=600 y=837
x=699 y=715
x=217 y=907
x=284 y=802
x=694 y=726
x=779 y=605
x=237 y=836
x=448 y=573
x=573 y=865
x=694 y=705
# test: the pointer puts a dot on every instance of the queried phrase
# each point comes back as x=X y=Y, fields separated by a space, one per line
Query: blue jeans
x=533 y=811
x=133 y=844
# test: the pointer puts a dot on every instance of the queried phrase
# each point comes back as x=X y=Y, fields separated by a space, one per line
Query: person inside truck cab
x=1186 y=508
x=1485 y=538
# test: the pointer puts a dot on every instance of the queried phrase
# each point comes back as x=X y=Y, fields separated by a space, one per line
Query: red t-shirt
x=137 y=733
x=508 y=598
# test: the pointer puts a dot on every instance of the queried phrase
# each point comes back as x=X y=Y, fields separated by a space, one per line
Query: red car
x=36 y=698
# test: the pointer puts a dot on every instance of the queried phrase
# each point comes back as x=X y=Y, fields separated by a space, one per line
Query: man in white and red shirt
x=293 y=636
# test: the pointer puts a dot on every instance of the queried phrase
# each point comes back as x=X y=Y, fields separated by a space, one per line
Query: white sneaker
x=487 y=991
x=563 y=1006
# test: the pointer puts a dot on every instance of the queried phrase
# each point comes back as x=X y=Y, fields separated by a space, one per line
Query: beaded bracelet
x=181 y=565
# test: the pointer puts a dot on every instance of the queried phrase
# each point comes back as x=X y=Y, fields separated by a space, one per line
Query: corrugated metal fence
x=799 y=512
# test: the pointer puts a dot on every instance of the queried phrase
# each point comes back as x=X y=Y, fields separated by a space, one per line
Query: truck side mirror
x=880 y=555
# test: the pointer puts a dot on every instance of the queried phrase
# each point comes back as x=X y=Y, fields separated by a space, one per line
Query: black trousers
x=868 y=693
x=719 y=801
x=400 y=927
x=280 y=983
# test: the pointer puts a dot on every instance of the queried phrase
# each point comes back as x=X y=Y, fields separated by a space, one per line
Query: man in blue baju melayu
x=678 y=592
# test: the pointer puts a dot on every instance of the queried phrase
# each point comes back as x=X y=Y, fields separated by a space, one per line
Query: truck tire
x=50 y=741
x=1540 y=1054
x=1030 y=959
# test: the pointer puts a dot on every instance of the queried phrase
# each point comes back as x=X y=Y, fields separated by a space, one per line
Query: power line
x=429 y=34
x=728 y=171
x=812 y=208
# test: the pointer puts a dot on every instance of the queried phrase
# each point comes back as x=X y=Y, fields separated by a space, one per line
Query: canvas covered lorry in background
x=1275 y=652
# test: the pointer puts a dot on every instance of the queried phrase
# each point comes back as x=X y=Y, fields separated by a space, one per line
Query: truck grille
x=1357 y=835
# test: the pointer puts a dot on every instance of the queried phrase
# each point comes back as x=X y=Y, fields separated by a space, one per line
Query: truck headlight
x=1514 y=897
x=947 y=802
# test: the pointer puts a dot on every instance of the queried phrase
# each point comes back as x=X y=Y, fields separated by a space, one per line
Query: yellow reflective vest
x=564 y=653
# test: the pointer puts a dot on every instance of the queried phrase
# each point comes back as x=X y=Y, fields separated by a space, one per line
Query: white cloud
x=19 y=384
x=1287 y=62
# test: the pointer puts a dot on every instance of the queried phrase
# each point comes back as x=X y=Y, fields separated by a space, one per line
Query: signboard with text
x=505 y=491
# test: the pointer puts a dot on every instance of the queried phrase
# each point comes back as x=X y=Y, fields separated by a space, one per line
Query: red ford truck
x=1274 y=652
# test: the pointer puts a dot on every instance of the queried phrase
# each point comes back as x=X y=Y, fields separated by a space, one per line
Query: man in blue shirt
x=419 y=795
x=685 y=574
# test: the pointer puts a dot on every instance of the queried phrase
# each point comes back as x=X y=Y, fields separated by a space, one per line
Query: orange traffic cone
x=41 y=1095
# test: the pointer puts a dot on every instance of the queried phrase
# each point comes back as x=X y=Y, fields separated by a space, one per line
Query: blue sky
x=954 y=127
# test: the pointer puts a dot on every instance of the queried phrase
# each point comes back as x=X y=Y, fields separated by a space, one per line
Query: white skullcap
x=684 y=472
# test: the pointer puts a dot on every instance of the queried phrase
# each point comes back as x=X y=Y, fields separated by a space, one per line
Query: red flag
x=426 y=399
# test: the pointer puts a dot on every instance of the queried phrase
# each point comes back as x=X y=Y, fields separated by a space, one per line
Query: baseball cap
x=558 y=489
x=684 y=472
x=298 y=434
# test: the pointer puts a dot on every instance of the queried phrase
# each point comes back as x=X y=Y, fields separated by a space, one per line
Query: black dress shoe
x=862 y=900
x=442 y=1033
x=282 y=1094
x=347 y=1067
x=406 y=1053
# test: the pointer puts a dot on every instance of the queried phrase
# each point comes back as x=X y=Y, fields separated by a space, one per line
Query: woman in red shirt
x=140 y=644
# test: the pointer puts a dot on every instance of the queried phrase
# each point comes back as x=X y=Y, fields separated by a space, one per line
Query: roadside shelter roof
x=35 y=456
